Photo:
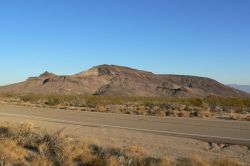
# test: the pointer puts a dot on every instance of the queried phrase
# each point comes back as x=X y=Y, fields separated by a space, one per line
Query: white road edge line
x=120 y=127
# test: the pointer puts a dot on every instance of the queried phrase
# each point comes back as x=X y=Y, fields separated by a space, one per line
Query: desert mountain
x=116 y=80
x=245 y=88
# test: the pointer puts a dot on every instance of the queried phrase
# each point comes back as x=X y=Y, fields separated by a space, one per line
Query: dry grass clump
x=225 y=162
x=11 y=153
x=199 y=161
x=134 y=151
x=22 y=144
x=193 y=161
x=40 y=161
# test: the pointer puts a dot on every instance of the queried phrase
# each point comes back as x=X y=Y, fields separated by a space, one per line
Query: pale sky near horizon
x=209 y=38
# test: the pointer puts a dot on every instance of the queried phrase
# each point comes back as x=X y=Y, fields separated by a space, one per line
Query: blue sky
x=208 y=38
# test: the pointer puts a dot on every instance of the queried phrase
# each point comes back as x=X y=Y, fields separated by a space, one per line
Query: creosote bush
x=158 y=106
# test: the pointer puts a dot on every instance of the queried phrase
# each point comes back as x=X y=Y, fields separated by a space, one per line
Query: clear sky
x=208 y=38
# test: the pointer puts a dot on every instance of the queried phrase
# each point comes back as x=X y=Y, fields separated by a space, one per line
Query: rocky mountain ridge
x=111 y=80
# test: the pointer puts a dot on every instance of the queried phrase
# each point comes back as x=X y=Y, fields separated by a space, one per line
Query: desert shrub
x=227 y=102
x=204 y=114
x=239 y=110
x=53 y=100
x=164 y=105
x=32 y=98
x=246 y=102
x=160 y=113
x=184 y=114
x=78 y=101
x=174 y=113
x=8 y=95
x=247 y=118
x=5 y=132
x=194 y=102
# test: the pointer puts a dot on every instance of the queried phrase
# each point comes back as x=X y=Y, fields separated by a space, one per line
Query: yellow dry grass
x=11 y=153
x=22 y=144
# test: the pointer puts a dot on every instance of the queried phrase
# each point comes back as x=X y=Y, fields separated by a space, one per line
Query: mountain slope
x=245 y=88
x=122 y=81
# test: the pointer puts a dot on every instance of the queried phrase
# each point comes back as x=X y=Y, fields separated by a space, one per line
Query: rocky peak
x=111 y=70
x=99 y=71
x=47 y=74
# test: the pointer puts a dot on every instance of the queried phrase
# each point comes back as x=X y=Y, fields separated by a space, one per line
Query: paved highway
x=220 y=131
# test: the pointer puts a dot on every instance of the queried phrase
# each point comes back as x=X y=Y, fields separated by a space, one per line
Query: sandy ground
x=154 y=145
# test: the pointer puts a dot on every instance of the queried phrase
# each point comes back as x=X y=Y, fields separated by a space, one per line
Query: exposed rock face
x=123 y=81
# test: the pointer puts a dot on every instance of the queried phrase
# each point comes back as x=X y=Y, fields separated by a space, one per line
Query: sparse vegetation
x=162 y=106
x=22 y=144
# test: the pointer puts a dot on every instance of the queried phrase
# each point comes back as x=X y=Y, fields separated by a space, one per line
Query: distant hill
x=245 y=88
x=114 y=80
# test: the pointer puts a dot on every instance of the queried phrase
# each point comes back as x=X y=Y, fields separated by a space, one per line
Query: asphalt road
x=219 y=131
